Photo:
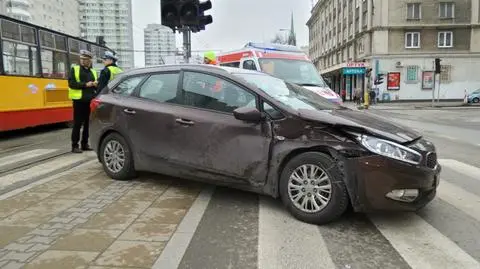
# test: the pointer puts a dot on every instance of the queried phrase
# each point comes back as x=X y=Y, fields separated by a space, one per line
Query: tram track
x=35 y=161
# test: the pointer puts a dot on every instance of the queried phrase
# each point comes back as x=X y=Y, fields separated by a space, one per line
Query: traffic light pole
x=187 y=44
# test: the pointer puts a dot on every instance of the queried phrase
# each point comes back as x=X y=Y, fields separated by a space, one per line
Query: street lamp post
x=287 y=32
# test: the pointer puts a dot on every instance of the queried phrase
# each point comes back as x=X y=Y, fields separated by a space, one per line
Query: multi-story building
x=160 y=45
x=60 y=16
x=111 y=19
x=401 y=39
x=18 y=9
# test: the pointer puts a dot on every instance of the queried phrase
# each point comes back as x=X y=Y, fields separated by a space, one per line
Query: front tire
x=312 y=189
x=475 y=100
x=116 y=157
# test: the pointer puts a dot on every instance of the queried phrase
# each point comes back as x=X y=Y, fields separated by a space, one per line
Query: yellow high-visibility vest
x=76 y=94
x=114 y=70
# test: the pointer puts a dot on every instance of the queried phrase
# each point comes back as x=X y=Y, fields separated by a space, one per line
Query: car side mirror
x=249 y=114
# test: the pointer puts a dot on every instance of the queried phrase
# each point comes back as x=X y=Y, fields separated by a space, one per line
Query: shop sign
x=353 y=70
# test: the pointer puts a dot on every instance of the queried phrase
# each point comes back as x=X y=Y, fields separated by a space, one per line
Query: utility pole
x=436 y=80
x=187 y=44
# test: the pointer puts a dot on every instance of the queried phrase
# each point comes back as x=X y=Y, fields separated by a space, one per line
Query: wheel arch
x=107 y=133
x=329 y=151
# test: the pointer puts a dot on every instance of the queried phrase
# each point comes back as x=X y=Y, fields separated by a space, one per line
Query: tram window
x=46 y=39
x=60 y=43
x=10 y=30
x=74 y=59
x=28 y=34
x=54 y=64
x=74 y=45
x=20 y=59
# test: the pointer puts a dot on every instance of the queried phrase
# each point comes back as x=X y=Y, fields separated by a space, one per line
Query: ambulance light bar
x=274 y=47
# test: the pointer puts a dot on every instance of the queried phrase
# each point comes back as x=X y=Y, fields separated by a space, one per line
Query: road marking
x=41 y=169
x=83 y=167
x=284 y=242
x=465 y=201
x=421 y=245
x=444 y=136
x=19 y=157
x=173 y=252
x=460 y=167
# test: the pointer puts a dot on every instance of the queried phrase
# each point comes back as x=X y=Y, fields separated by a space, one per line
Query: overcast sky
x=235 y=22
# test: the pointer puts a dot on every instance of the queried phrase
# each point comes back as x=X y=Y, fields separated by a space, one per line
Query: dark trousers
x=81 y=117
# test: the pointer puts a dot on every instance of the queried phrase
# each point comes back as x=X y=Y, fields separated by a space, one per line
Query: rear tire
x=319 y=198
x=116 y=157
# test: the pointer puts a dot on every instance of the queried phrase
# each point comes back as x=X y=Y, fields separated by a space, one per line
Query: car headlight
x=390 y=149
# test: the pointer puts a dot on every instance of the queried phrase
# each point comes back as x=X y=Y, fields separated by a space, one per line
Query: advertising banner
x=427 y=80
x=393 y=81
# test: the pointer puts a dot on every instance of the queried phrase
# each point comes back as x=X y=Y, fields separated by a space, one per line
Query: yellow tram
x=34 y=71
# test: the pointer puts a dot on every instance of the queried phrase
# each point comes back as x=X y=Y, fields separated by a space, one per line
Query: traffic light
x=378 y=79
x=438 y=67
x=368 y=72
x=170 y=13
x=185 y=13
x=202 y=18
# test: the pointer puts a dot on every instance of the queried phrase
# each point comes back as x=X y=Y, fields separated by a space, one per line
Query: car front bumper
x=372 y=180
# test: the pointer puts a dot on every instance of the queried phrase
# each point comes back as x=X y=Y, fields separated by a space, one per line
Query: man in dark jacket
x=82 y=83
x=110 y=71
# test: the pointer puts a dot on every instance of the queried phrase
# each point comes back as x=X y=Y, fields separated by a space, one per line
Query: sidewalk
x=83 y=218
x=417 y=105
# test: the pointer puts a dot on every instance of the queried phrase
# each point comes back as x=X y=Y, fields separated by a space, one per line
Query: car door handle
x=129 y=111
x=184 y=122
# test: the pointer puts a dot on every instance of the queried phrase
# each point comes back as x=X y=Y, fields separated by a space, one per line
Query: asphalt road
x=232 y=229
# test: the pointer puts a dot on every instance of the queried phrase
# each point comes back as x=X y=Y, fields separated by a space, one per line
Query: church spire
x=292 y=39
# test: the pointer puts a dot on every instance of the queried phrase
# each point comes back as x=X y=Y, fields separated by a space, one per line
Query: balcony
x=22 y=4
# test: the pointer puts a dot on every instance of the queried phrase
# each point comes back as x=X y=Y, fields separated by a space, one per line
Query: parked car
x=474 y=97
x=248 y=130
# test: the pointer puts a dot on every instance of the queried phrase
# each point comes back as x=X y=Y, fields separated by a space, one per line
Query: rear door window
x=161 y=88
x=127 y=86
x=213 y=93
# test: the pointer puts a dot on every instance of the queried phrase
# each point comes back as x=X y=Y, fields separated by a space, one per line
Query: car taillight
x=94 y=104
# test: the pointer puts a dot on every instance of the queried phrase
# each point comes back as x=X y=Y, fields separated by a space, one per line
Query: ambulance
x=283 y=61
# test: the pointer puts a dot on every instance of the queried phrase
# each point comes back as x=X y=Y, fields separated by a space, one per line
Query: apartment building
x=57 y=15
x=401 y=39
x=61 y=16
x=113 y=20
x=160 y=45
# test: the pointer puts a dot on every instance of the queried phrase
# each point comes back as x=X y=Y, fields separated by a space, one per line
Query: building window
x=445 y=39
x=445 y=73
x=412 y=73
x=414 y=11
x=446 y=10
x=412 y=40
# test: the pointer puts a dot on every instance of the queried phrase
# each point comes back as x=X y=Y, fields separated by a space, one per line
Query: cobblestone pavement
x=83 y=219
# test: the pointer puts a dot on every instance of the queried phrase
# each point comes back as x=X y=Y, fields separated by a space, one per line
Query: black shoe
x=86 y=148
x=76 y=150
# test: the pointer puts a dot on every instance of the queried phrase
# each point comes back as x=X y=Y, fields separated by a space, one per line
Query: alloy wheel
x=114 y=156
x=309 y=188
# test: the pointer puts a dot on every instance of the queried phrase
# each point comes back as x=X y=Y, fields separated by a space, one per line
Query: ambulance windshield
x=299 y=72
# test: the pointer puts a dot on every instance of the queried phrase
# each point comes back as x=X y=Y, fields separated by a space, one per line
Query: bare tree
x=279 y=39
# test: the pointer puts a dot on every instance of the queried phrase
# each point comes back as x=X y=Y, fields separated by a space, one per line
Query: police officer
x=110 y=71
x=82 y=83
x=210 y=58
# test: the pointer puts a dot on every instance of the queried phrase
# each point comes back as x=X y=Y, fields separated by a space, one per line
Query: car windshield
x=299 y=72
x=476 y=92
x=291 y=95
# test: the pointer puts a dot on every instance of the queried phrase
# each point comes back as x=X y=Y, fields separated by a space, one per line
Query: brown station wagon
x=251 y=131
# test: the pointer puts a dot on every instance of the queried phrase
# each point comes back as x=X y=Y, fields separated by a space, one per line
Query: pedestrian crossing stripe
x=285 y=243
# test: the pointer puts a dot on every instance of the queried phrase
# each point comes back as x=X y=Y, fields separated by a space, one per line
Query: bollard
x=366 y=100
